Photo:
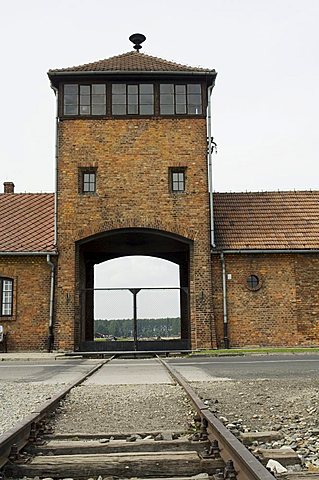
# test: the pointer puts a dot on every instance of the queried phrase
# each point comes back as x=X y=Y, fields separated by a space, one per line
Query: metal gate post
x=135 y=291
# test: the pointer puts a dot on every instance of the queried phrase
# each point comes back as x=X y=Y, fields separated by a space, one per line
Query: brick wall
x=28 y=327
x=132 y=159
x=283 y=312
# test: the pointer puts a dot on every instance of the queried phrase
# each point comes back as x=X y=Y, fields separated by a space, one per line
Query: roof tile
x=26 y=222
x=267 y=220
x=132 y=62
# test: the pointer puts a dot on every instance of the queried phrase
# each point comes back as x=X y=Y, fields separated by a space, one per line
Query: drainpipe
x=51 y=335
x=56 y=91
x=225 y=314
x=210 y=166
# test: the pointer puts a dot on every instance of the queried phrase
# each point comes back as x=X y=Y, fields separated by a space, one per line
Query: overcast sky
x=265 y=103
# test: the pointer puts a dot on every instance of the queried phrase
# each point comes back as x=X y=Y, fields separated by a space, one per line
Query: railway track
x=31 y=449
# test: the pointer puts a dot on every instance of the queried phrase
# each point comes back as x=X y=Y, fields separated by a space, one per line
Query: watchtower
x=132 y=179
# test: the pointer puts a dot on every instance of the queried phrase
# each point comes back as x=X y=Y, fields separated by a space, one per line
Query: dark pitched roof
x=267 y=220
x=132 y=62
x=26 y=222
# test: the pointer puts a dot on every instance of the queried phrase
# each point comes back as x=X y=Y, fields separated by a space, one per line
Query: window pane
x=195 y=109
x=119 y=88
x=132 y=109
x=194 y=88
x=98 y=99
x=70 y=110
x=70 y=99
x=98 y=88
x=85 y=99
x=146 y=109
x=181 y=99
x=119 y=109
x=194 y=99
x=167 y=100
x=98 y=110
x=166 y=88
x=146 y=88
x=146 y=99
x=84 y=89
x=180 y=109
x=180 y=89
x=131 y=89
x=84 y=110
x=118 y=99
x=71 y=88
x=132 y=100
x=167 y=109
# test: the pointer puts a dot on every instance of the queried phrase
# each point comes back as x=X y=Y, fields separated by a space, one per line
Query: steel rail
x=247 y=466
x=18 y=436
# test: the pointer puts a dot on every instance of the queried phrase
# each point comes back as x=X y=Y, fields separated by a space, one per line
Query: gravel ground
x=17 y=400
x=124 y=408
x=289 y=406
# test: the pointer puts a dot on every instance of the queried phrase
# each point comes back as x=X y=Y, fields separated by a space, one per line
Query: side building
x=27 y=263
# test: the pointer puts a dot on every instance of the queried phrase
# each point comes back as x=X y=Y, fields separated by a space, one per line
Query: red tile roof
x=267 y=220
x=132 y=62
x=26 y=222
x=245 y=221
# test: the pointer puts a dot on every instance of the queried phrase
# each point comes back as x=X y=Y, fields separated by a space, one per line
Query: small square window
x=87 y=181
x=177 y=180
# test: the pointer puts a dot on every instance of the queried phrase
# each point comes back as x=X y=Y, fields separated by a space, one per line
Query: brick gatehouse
x=134 y=178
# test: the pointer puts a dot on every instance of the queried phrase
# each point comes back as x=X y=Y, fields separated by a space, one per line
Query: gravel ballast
x=18 y=400
x=289 y=406
x=124 y=408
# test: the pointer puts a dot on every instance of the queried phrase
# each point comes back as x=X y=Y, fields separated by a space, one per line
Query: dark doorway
x=139 y=298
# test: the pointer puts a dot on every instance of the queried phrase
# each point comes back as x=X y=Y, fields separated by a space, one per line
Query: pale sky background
x=265 y=103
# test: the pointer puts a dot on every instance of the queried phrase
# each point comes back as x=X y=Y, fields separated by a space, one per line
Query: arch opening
x=134 y=291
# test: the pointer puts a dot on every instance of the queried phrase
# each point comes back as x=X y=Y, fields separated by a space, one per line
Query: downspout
x=210 y=166
x=56 y=91
x=51 y=335
x=225 y=313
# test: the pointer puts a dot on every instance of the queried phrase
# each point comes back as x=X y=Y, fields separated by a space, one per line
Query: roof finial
x=137 y=39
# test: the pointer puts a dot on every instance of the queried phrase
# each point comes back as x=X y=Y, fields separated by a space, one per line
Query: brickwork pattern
x=132 y=160
x=29 y=325
x=283 y=312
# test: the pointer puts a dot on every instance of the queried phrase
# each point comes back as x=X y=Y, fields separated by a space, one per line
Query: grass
x=261 y=350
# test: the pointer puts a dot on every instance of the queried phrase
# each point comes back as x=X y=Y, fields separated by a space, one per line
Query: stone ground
x=124 y=408
x=17 y=400
x=290 y=406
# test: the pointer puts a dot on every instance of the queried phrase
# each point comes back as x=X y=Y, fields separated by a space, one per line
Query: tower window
x=6 y=297
x=180 y=99
x=87 y=180
x=132 y=99
x=177 y=180
x=84 y=99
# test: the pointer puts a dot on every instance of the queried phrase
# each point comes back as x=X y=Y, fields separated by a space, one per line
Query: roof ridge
x=151 y=63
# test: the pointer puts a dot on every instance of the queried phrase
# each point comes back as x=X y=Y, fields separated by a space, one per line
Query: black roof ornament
x=137 y=39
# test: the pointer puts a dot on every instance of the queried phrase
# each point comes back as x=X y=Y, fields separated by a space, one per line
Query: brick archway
x=125 y=242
